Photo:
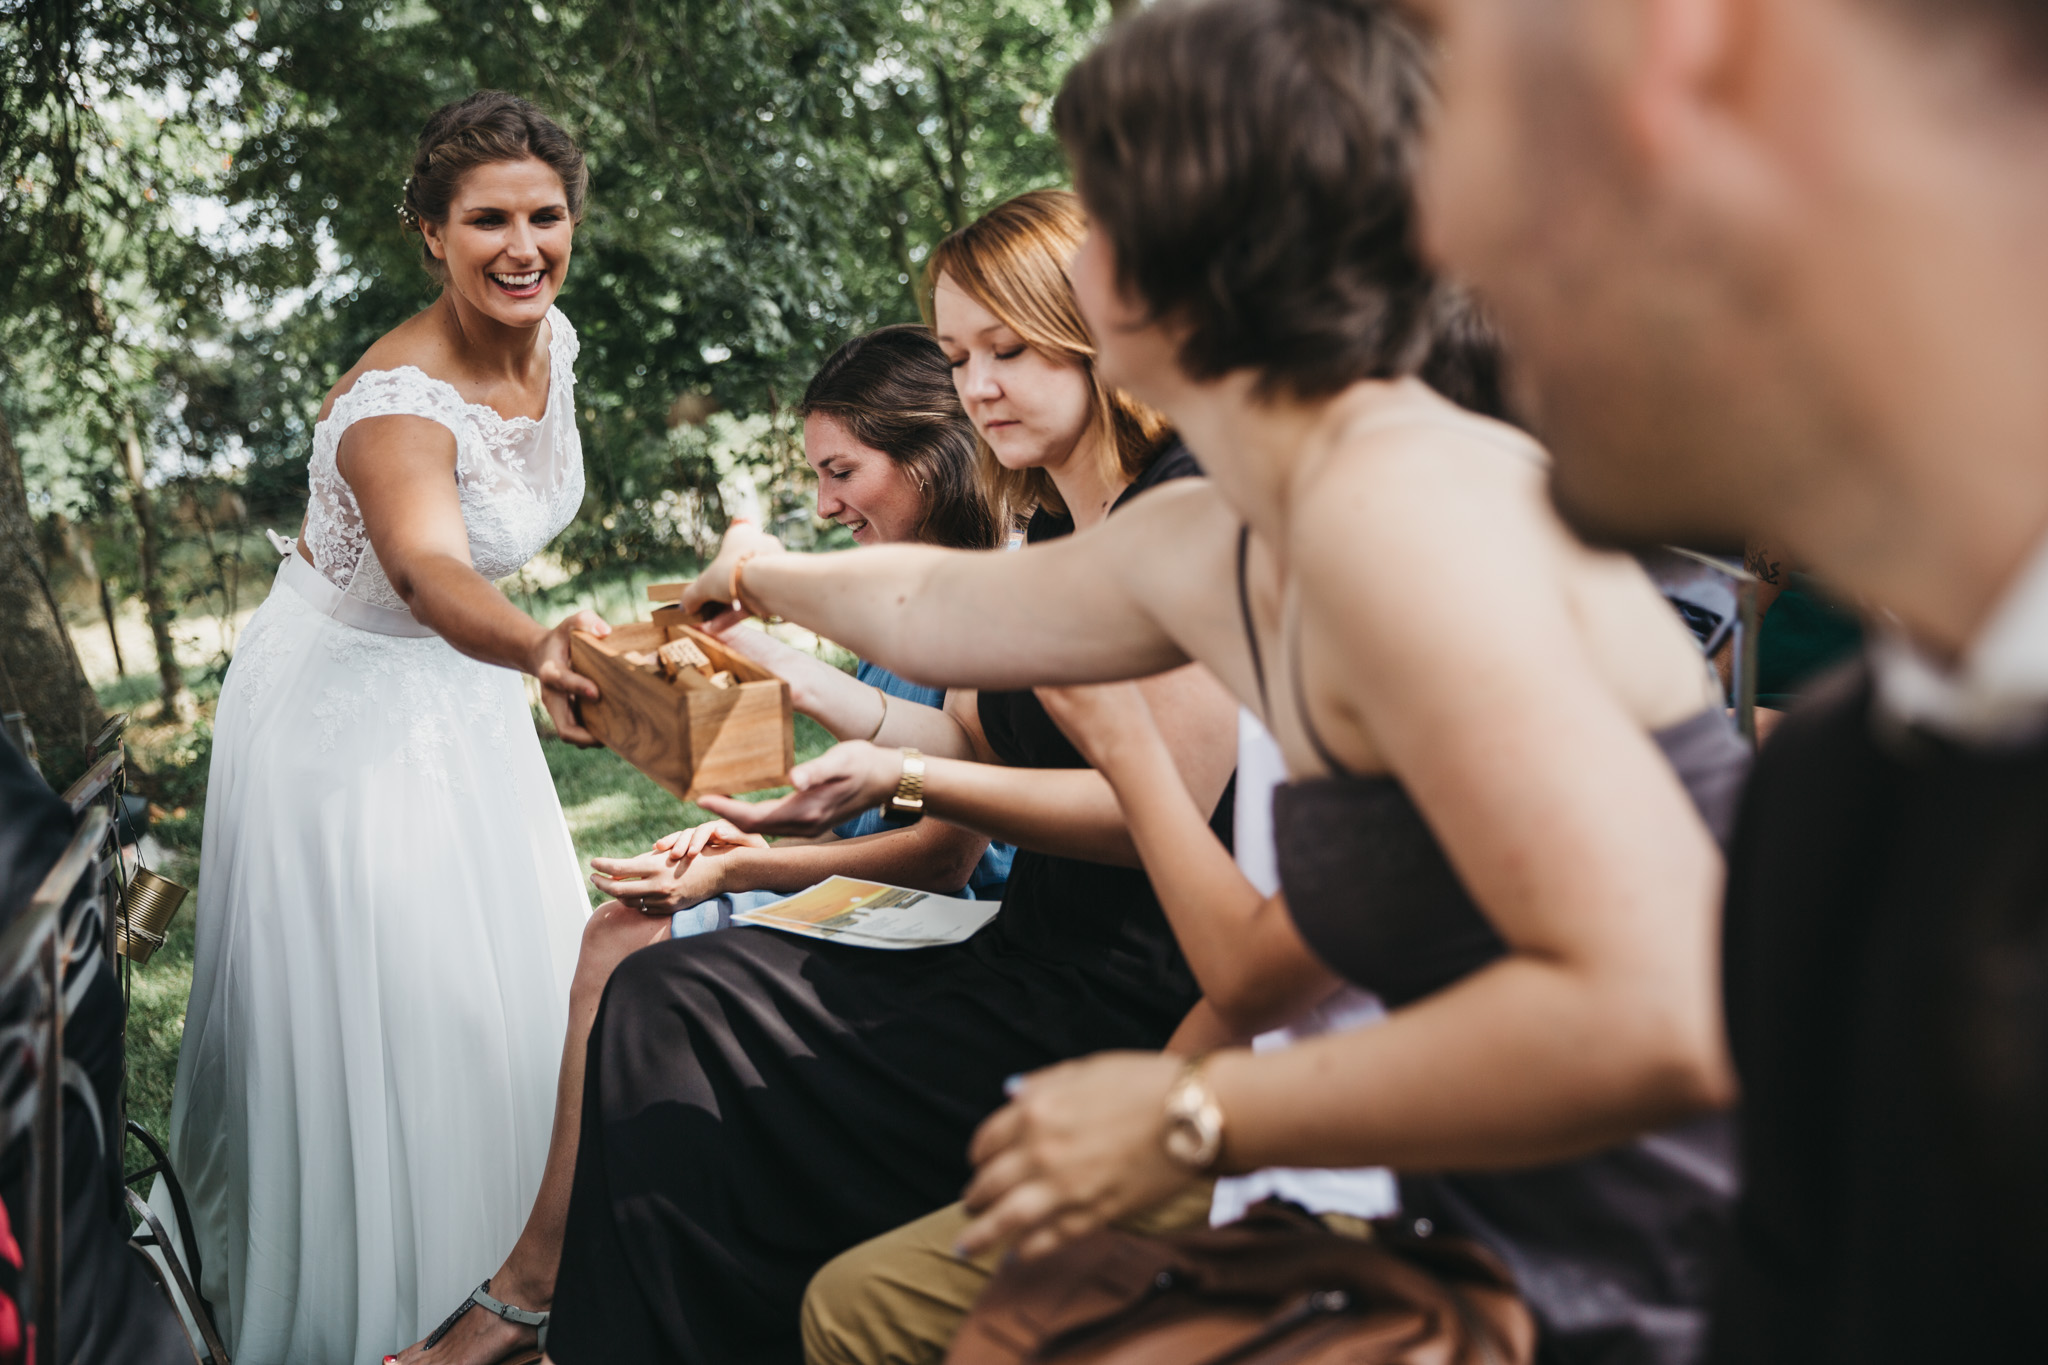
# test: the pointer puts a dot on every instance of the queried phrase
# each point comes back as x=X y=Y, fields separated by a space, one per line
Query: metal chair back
x=1743 y=644
x=61 y=929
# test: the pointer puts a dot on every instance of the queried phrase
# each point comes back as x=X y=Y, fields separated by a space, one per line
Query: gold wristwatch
x=909 y=798
x=1193 y=1131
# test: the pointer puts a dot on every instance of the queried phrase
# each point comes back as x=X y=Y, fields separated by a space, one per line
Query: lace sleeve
x=404 y=392
x=563 y=345
x=334 y=523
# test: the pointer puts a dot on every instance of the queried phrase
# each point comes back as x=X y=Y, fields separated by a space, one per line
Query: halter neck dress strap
x=1251 y=636
x=1336 y=766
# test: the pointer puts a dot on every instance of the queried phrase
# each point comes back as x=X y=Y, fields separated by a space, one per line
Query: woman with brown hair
x=756 y=1102
x=1508 y=760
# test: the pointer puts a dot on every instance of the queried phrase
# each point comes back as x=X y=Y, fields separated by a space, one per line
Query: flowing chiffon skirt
x=388 y=917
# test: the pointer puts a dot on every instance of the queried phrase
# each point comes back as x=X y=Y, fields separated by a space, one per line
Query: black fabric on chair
x=113 y=1311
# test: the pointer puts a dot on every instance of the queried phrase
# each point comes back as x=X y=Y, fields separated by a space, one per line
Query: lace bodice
x=521 y=478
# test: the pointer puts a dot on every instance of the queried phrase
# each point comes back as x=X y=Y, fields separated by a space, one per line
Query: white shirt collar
x=1997 y=693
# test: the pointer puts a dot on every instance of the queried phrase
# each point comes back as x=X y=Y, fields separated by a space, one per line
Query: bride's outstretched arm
x=402 y=471
x=1079 y=609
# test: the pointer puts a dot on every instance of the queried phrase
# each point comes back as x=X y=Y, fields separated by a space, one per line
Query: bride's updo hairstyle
x=486 y=127
x=893 y=391
x=1013 y=261
x=1251 y=163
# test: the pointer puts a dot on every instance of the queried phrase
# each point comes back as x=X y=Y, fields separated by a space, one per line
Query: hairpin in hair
x=407 y=214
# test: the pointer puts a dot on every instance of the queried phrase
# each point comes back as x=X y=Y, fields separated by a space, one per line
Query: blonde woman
x=757 y=1103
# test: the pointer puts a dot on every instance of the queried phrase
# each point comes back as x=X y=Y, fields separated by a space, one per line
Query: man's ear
x=1688 y=61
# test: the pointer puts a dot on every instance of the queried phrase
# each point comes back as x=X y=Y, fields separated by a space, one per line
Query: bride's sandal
x=480 y=1297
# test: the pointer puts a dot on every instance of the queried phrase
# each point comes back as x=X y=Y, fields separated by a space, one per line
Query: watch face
x=1194 y=1139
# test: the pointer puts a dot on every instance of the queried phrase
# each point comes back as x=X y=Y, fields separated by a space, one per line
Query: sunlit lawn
x=611 y=808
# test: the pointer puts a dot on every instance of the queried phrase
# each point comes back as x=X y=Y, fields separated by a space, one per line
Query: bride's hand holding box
x=681 y=707
x=562 y=689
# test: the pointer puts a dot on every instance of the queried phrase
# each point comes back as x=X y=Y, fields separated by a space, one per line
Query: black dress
x=757 y=1103
x=1614 y=1252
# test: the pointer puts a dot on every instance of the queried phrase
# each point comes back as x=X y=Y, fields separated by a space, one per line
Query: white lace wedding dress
x=389 y=911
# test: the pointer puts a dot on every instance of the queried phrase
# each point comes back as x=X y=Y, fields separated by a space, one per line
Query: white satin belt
x=330 y=601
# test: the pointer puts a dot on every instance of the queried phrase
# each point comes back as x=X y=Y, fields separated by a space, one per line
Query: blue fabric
x=993 y=871
x=991 y=874
x=717 y=912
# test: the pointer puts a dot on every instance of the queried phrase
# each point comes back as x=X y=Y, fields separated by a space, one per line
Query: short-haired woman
x=1505 y=748
x=388 y=898
x=758 y=1102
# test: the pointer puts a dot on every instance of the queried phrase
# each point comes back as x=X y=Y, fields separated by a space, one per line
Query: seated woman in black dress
x=756 y=1103
x=1503 y=745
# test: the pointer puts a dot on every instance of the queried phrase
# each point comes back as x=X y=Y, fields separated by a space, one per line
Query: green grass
x=613 y=810
x=156 y=1017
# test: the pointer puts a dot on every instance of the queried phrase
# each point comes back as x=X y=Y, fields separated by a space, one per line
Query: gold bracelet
x=876 y=732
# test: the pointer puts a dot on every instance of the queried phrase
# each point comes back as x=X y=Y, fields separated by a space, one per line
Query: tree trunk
x=159 y=608
x=113 y=633
x=39 y=670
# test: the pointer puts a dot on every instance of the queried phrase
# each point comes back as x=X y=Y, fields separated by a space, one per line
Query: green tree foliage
x=198 y=232
x=111 y=113
x=766 y=179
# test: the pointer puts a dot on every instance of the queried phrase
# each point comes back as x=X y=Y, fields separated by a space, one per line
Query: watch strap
x=909 y=797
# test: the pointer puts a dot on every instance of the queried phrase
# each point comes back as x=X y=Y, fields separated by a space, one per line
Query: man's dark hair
x=893 y=391
x=2017 y=29
x=1250 y=161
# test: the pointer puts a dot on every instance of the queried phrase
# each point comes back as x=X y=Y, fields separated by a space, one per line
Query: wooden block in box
x=686 y=734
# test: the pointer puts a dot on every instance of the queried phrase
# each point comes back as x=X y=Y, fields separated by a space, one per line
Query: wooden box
x=687 y=734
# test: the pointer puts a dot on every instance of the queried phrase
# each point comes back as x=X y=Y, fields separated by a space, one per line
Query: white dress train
x=388 y=917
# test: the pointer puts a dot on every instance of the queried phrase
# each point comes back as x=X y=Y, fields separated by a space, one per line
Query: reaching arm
x=1078 y=609
x=847 y=707
x=1202 y=1032
x=1067 y=812
x=1254 y=970
x=402 y=472
x=1437 y=632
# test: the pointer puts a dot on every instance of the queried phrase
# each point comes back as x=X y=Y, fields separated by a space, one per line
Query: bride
x=389 y=906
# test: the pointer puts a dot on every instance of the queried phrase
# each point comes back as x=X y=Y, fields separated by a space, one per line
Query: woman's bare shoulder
x=415 y=342
x=1425 y=471
x=1178 y=499
x=1170 y=523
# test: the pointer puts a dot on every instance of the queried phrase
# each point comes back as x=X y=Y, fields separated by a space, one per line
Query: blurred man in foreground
x=1775 y=268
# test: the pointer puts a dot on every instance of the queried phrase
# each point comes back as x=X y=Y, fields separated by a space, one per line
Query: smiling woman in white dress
x=389 y=904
